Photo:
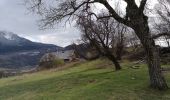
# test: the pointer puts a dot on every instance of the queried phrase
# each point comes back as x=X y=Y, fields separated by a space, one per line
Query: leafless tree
x=132 y=41
x=134 y=18
x=106 y=35
x=162 y=25
x=118 y=43
x=86 y=51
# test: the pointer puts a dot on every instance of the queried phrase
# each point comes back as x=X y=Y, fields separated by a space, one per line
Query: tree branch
x=113 y=12
x=161 y=34
x=142 y=5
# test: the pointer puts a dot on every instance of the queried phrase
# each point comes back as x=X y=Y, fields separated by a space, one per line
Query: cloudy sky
x=14 y=17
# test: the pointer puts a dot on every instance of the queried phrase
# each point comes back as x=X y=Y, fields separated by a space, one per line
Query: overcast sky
x=14 y=17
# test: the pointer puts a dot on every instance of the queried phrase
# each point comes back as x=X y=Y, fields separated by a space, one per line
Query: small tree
x=163 y=25
x=50 y=61
x=133 y=41
x=104 y=34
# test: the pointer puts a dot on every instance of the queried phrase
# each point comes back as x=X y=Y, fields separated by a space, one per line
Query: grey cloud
x=16 y=18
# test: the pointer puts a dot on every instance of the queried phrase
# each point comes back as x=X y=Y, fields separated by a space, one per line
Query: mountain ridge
x=17 y=52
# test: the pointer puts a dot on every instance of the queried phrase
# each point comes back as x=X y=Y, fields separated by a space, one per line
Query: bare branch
x=113 y=12
x=142 y=5
x=160 y=35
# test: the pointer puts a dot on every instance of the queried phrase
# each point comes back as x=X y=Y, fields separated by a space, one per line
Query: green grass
x=86 y=81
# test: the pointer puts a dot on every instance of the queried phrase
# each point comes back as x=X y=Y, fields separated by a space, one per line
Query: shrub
x=165 y=58
x=50 y=61
x=58 y=62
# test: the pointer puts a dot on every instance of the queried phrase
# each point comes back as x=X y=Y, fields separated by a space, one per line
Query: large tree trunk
x=111 y=57
x=136 y=19
x=157 y=79
x=115 y=62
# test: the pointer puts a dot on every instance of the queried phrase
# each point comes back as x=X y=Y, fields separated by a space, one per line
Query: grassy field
x=95 y=80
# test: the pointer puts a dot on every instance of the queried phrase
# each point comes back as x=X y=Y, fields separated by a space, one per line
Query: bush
x=58 y=62
x=165 y=58
x=50 y=61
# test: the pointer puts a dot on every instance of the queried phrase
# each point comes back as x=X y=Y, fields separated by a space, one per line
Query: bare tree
x=104 y=34
x=163 y=25
x=85 y=49
x=133 y=41
x=135 y=18
x=119 y=42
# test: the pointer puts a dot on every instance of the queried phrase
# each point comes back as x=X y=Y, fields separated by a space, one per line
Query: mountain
x=10 y=42
x=17 y=52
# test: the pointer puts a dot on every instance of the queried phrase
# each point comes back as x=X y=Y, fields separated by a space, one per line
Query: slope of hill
x=17 y=52
x=94 y=80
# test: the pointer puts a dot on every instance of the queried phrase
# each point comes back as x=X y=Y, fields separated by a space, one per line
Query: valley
x=19 y=53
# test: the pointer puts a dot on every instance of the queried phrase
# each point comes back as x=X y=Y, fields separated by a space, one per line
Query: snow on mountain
x=11 y=42
x=8 y=35
x=11 y=39
x=18 y=52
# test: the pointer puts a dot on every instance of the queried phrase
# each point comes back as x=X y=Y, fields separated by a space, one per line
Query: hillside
x=19 y=53
x=95 y=80
x=11 y=42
